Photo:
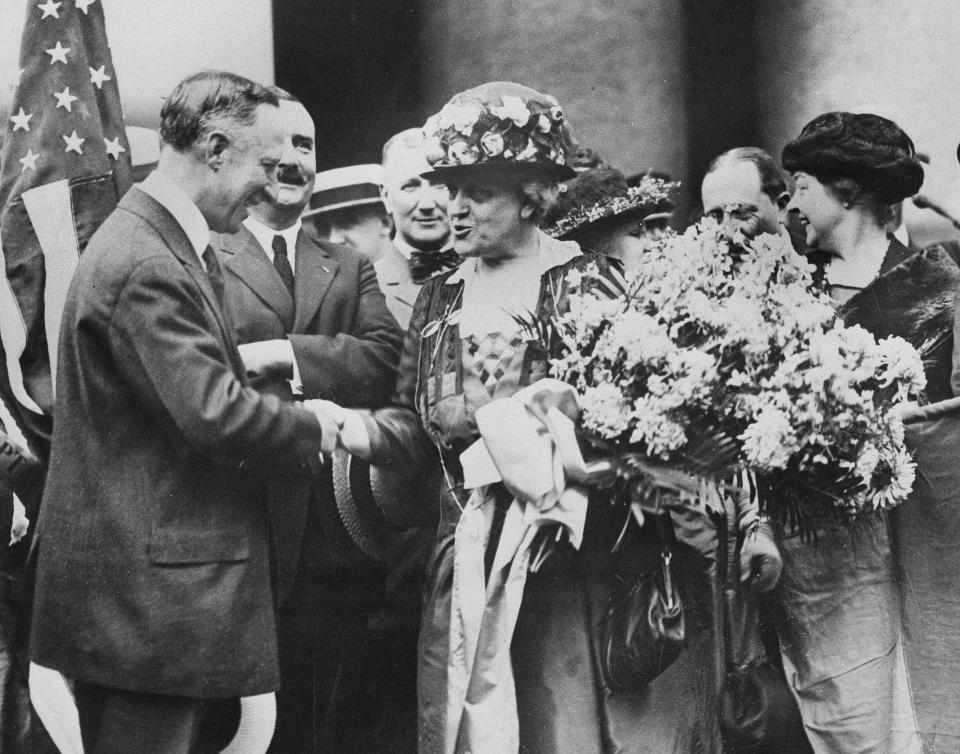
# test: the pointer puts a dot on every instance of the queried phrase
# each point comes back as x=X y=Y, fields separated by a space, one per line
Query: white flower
x=461 y=116
x=543 y=124
x=529 y=153
x=900 y=363
x=556 y=114
x=903 y=472
x=513 y=108
x=461 y=153
x=492 y=143
x=605 y=410
x=769 y=442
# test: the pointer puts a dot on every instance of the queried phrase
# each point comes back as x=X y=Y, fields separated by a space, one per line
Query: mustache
x=292 y=176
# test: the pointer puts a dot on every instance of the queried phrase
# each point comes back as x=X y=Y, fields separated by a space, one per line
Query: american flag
x=65 y=162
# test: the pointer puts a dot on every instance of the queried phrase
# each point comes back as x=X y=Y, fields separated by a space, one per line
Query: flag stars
x=65 y=99
x=73 y=143
x=50 y=8
x=21 y=121
x=58 y=54
x=114 y=147
x=98 y=76
x=29 y=161
x=84 y=4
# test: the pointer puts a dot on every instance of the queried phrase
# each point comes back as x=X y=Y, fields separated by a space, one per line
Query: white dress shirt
x=264 y=236
x=184 y=211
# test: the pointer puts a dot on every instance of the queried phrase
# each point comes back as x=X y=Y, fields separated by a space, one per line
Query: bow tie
x=425 y=264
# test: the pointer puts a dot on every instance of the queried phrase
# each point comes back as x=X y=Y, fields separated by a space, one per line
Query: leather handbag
x=643 y=630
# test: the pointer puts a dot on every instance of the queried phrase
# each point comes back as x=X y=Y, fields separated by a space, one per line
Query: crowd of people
x=263 y=476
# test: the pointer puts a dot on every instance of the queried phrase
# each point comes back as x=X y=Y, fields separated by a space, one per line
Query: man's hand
x=266 y=357
x=760 y=561
x=353 y=432
x=329 y=423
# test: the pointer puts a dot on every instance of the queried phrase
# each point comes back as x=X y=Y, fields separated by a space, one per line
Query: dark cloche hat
x=872 y=150
x=595 y=196
x=499 y=126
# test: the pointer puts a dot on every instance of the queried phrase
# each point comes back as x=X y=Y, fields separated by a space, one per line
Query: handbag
x=643 y=630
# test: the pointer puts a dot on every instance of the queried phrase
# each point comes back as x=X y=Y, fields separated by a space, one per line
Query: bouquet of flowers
x=730 y=358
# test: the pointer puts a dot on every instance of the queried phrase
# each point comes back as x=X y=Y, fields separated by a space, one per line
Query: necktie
x=281 y=262
x=425 y=264
x=214 y=273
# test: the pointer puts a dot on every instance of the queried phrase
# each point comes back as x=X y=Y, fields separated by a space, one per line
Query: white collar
x=184 y=211
x=265 y=234
x=553 y=253
x=406 y=249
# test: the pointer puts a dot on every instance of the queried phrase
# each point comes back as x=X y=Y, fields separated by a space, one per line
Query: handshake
x=342 y=427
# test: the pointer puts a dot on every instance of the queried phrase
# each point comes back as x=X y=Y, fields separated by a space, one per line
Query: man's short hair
x=772 y=182
x=411 y=138
x=206 y=99
x=282 y=94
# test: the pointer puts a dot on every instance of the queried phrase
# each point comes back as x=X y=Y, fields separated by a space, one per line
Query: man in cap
x=311 y=322
x=421 y=243
x=346 y=208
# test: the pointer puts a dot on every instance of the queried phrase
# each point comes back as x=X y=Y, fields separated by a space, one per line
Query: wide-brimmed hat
x=597 y=196
x=499 y=127
x=341 y=188
x=870 y=149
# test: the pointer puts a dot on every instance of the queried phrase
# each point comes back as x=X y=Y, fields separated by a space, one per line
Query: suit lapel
x=244 y=258
x=314 y=273
x=176 y=240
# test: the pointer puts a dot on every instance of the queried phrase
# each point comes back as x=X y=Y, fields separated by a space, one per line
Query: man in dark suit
x=311 y=321
x=153 y=589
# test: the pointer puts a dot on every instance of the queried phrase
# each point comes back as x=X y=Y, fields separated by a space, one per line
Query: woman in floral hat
x=841 y=628
x=509 y=647
x=603 y=214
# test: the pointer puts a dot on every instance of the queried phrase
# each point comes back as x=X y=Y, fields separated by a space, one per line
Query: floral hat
x=499 y=125
x=598 y=195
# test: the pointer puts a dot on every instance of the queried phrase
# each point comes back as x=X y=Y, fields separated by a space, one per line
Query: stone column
x=897 y=59
x=615 y=66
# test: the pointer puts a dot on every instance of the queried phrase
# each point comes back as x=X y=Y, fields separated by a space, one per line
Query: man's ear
x=386 y=231
x=385 y=197
x=783 y=200
x=214 y=147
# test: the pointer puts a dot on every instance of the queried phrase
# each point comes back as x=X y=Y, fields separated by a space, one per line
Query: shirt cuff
x=296 y=382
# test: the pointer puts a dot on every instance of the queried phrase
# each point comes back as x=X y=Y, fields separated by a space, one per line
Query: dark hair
x=872 y=151
x=208 y=97
x=772 y=182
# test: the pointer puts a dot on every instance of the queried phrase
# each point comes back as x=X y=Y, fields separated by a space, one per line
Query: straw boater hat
x=595 y=197
x=341 y=188
x=375 y=504
x=499 y=127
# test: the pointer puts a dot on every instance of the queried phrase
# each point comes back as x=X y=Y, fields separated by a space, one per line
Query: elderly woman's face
x=488 y=218
x=818 y=210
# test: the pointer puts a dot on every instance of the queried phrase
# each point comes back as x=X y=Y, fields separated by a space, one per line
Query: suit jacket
x=153 y=571
x=393 y=271
x=347 y=347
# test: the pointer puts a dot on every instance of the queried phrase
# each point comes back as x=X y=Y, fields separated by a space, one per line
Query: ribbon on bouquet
x=527 y=442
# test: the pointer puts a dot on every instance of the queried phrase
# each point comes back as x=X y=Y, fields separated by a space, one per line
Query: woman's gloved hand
x=760 y=561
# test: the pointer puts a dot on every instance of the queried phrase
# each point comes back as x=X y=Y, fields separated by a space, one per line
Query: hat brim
x=526 y=170
x=637 y=212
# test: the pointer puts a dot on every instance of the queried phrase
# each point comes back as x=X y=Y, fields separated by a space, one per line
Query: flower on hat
x=461 y=153
x=513 y=108
x=529 y=152
x=492 y=143
x=556 y=114
x=462 y=116
x=543 y=123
